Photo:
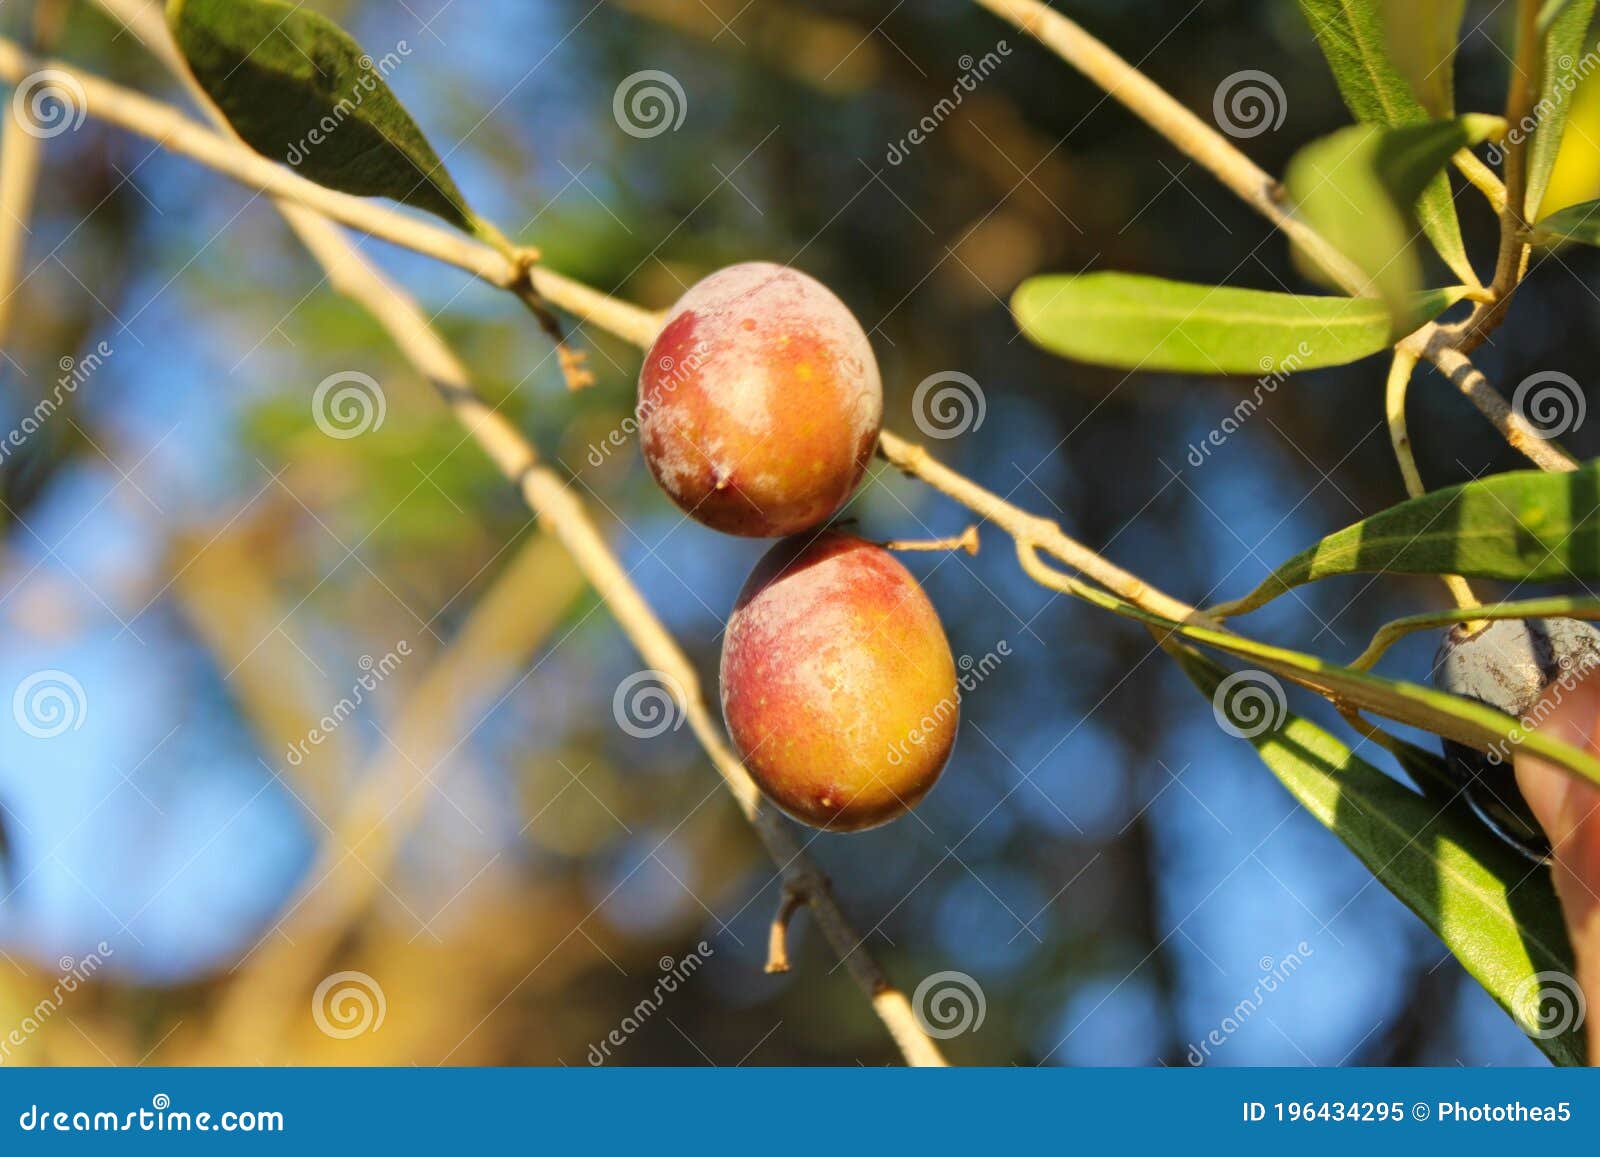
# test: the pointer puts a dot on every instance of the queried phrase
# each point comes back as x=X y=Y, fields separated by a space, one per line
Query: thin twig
x=1513 y=427
x=789 y=903
x=967 y=540
x=1193 y=136
x=21 y=151
x=1400 y=371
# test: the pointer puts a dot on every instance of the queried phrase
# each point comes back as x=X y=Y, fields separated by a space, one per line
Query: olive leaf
x=1138 y=322
x=1551 y=10
x=299 y=90
x=1568 y=31
x=1579 y=223
x=1500 y=918
x=1522 y=526
x=1421 y=38
x=1352 y=38
x=1360 y=188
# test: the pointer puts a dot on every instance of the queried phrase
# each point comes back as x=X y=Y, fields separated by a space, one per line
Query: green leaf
x=1421 y=37
x=299 y=90
x=1563 y=51
x=1360 y=188
x=1352 y=37
x=1136 y=322
x=1579 y=223
x=1550 y=12
x=1501 y=920
x=1522 y=526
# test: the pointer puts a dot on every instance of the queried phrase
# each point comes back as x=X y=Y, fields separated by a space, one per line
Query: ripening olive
x=837 y=682
x=760 y=402
x=1509 y=664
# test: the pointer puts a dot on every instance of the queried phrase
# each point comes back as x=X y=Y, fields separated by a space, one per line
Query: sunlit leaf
x=1137 y=322
x=1421 y=37
x=1562 y=61
x=299 y=90
x=1360 y=188
x=1580 y=223
x=1500 y=918
x=1351 y=35
x=1522 y=526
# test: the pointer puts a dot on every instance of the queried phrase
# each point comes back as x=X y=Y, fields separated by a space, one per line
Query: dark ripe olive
x=1512 y=665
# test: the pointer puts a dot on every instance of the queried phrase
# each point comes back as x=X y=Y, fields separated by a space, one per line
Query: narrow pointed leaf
x=1352 y=37
x=299 y=90
x=1137 y=322
x=1564 y=46
x=1500 y=918
x=1522 y=526
x=1421 y=38
x=1580 y=223
x=1360 y=188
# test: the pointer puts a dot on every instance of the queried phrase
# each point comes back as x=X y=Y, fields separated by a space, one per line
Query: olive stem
x=1400 y=371
x=778 y=937
x=967 y=540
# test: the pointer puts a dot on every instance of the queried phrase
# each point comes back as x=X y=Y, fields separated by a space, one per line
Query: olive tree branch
x=167 y=126
x=549 y=497
x=176 y=132
x=1191 y=135
x=1445 y=346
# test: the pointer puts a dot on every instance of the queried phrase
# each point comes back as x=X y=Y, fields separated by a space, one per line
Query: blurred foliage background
x=510 y=868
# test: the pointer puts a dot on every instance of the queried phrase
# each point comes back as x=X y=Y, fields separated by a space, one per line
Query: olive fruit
x=760 y=402
x=838 y=686
x=1509 y=664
